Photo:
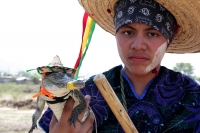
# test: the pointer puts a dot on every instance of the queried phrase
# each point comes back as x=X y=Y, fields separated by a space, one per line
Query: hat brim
x=186 y=12
x=44 y=69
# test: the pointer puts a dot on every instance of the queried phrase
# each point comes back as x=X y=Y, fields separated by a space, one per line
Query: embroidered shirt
x=171 y=104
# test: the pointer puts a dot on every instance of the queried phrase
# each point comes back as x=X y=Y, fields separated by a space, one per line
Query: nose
x=138 y=42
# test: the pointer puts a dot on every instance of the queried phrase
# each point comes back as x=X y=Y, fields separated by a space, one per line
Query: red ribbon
x=85 y=17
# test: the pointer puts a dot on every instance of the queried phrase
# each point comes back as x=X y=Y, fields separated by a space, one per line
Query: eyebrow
x=147 y=29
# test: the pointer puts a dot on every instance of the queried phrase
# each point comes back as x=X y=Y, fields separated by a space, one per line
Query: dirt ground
x=13 y=120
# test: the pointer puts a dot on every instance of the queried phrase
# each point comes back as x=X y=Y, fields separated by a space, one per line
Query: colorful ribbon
x=88 y=29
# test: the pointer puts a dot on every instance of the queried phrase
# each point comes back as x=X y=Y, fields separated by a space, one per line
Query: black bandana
x=145 y=11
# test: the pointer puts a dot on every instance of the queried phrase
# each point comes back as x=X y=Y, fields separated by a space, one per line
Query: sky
x=32 y=32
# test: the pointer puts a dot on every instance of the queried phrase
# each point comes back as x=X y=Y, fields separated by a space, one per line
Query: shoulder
x=171 y=87
x=181 y=95
x=91 y=88
x=109 y=74
x=171 y=76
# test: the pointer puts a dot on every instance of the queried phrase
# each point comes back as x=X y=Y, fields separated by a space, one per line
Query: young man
x=158 y=100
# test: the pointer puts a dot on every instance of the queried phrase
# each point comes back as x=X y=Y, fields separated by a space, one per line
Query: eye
x=128 y=33
x=152 y=34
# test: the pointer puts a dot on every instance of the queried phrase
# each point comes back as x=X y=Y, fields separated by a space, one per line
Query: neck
x=140 y=82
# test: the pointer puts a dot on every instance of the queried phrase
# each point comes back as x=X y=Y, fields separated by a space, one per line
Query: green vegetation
x=18 y=92
x=187 y=69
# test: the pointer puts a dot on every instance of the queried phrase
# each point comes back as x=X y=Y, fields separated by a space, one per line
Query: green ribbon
x=30 y=70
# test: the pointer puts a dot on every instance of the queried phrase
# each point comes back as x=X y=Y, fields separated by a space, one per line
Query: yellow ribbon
x=86 y=34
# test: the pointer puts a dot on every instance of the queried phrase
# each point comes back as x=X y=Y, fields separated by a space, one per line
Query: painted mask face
x=141 y=47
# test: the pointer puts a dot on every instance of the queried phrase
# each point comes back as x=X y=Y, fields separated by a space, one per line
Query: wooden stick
x=114 y=103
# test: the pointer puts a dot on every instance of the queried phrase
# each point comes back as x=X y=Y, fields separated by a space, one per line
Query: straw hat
x=55 y=66
x=186 y=12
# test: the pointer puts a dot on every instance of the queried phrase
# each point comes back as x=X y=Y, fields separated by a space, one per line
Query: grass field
x=17 y=92
x=17 y=107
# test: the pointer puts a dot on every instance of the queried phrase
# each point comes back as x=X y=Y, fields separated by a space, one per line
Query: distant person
x=158 y=100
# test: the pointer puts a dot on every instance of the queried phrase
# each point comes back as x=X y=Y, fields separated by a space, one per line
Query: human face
x=137 y=44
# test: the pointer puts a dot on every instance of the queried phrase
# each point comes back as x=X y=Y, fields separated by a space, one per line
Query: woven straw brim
x=186 y=12
x=56 y=69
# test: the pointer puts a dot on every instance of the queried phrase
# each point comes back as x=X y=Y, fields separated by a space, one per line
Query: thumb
x=87 y=99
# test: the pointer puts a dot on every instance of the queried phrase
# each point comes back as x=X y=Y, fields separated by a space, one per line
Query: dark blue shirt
x=169 y=104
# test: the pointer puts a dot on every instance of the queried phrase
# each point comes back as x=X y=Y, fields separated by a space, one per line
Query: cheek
x=120 y=45
x=123 y=43
x=157 y=57
x=122 y=52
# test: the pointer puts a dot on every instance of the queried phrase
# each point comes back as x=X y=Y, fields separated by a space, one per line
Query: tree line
x=187 y=69
x=35 y=77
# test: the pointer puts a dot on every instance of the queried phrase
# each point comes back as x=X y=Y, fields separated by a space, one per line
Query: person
x=157 y=99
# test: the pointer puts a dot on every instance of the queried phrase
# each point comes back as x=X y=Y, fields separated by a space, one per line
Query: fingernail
x=87 y=96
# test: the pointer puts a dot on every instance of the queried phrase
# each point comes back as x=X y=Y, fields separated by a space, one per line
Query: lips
x=138 y=58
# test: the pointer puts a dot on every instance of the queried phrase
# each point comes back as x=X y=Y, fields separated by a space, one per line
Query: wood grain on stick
x=114 y=103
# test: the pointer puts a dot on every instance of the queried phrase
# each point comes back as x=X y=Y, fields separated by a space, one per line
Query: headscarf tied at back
x=148 y=12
